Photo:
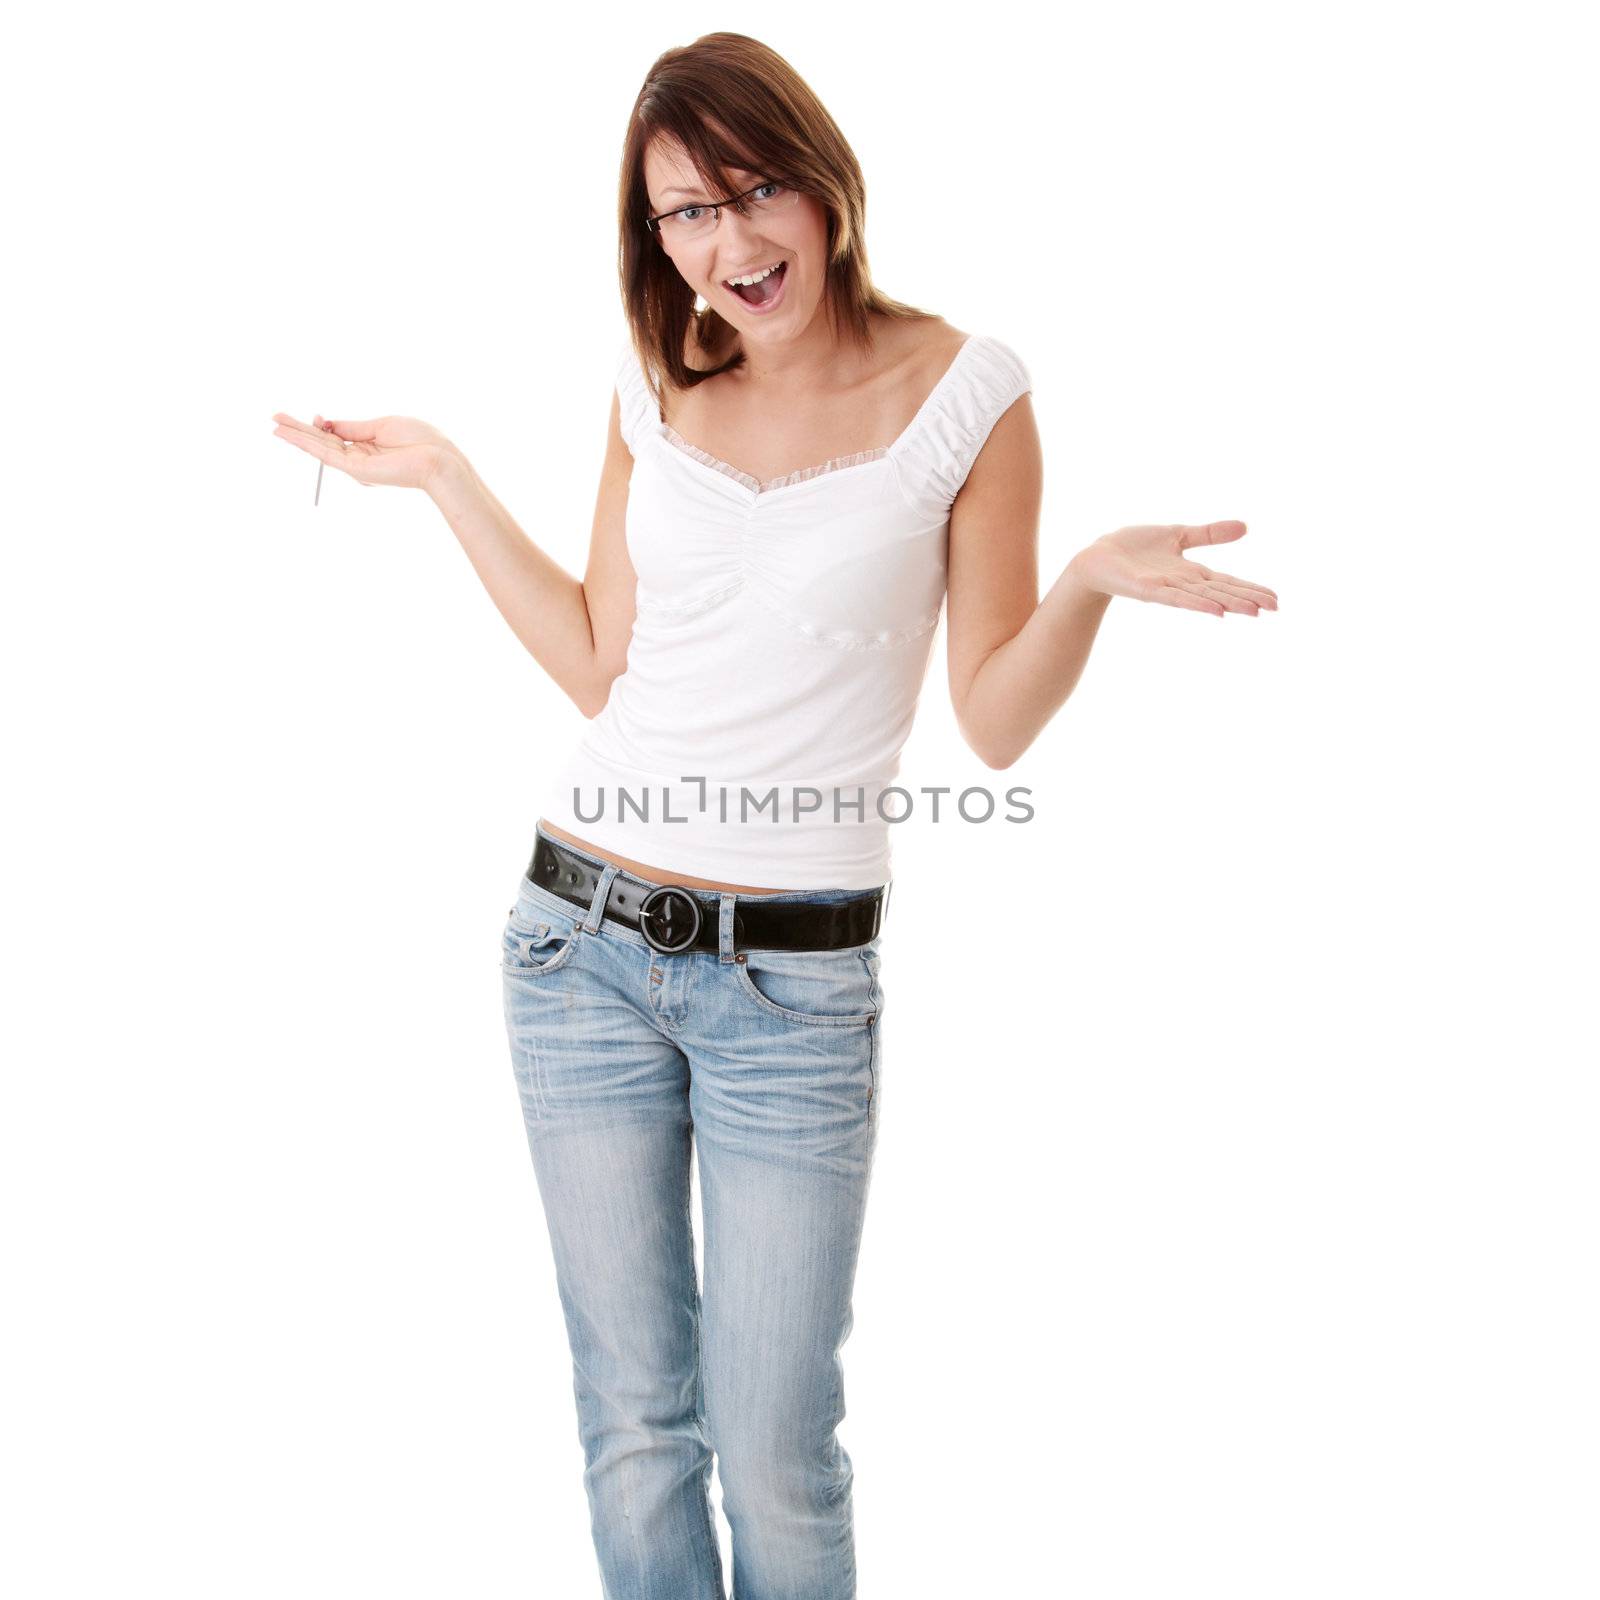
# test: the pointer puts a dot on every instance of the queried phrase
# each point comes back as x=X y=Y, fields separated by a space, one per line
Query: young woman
x=799 y=475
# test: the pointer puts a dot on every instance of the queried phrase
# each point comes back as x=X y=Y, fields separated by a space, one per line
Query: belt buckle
x=681 y=927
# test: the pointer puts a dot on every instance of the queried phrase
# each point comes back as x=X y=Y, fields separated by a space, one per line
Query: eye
x=688 y=214
x=776 y=188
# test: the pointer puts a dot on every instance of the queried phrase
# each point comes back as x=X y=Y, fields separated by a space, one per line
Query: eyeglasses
x=694 y=222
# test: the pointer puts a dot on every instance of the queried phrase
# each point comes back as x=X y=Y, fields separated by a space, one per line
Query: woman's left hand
x=1147 y=563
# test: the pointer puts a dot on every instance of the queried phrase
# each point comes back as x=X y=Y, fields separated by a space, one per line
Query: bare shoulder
x=940 y=337
x=922 y=349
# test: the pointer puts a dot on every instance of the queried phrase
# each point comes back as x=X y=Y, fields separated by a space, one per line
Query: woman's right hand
x=402 y=452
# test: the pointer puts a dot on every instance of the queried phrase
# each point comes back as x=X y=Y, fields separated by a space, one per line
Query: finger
x=1167 y=593
x=284 y=420
x=1256 y=591
x=321 y=445
x=1208 y=533
x=364 y=432
x=1225 y=597
x=320 y=427
x=1245 y=591
x=1230 y=601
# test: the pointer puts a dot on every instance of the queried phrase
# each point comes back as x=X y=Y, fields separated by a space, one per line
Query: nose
x=733 y=224
x=743 y=247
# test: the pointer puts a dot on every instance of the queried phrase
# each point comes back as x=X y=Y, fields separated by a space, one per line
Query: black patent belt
x=673 y=918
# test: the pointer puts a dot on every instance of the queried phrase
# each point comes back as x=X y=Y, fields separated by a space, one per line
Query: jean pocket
x=532 y=945
x=826 y=988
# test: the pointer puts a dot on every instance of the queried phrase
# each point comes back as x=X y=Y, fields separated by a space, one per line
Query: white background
x=1233 y=1221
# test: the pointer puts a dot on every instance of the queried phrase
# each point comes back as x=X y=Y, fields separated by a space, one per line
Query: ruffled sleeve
x=986 y=380
x=635 y=405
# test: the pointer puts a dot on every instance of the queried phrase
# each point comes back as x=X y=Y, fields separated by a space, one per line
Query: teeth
x=754 y=277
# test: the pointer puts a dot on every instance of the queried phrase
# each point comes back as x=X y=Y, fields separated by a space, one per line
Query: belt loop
x=602 y=893
x=725 y=927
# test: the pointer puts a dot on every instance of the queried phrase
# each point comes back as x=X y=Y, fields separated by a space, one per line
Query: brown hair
x=729 y=86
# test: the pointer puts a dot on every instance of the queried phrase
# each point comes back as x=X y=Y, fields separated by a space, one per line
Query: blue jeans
x=771 y=1061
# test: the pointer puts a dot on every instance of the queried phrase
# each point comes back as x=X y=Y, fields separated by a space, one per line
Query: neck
x=812 y=360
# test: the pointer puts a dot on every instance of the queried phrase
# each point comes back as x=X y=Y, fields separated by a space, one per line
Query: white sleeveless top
x=781 y=639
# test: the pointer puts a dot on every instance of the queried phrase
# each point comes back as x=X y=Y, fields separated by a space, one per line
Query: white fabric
x=780 y=643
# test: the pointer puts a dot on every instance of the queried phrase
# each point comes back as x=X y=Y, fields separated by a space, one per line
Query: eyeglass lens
x=692 y=221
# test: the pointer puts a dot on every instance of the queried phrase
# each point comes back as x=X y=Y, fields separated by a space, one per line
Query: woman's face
x=795 y=235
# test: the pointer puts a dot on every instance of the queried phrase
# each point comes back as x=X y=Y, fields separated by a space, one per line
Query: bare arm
x=578 y=631
x=1013 y=660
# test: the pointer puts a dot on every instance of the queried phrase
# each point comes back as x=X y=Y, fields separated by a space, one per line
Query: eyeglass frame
x=653 y=224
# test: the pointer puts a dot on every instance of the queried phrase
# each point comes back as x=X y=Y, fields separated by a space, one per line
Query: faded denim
x=770 y=1067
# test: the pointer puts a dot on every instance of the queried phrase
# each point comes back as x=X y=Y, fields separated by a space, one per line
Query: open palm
x=400 y=451
x=1147 y=563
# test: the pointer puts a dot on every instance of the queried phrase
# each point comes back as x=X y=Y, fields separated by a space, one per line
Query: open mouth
x=765 y=293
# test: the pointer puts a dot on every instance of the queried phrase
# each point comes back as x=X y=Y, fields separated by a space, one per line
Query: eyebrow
x=693 y=192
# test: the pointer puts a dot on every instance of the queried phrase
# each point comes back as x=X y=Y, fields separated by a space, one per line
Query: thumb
x=1209 y=533
x=363 y=431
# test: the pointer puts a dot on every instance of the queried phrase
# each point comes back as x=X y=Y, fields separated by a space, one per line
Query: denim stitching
x=704 y=1486
x=872 y=1054
x=747 y=985
x=559 y=959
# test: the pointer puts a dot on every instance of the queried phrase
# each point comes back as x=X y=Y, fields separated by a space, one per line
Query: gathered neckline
x=670 y=435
